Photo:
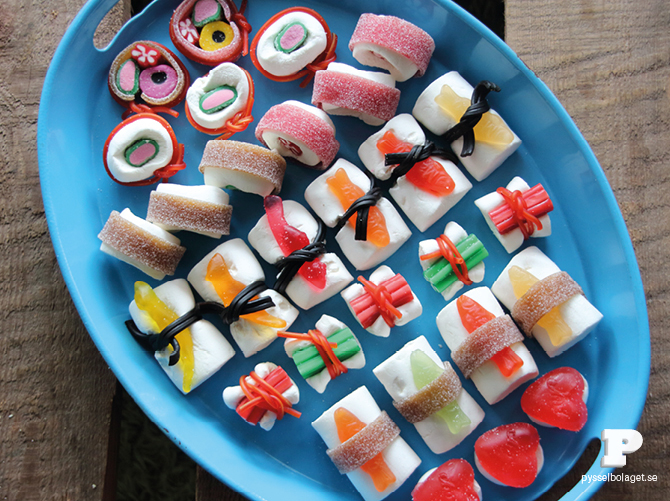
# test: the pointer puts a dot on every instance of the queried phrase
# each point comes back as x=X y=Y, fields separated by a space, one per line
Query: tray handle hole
x=111 y=24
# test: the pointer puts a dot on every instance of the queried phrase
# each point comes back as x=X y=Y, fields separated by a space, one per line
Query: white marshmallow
x=370 y=54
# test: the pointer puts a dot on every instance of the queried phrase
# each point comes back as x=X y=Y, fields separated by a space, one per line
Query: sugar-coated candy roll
x=199 y=209
x=202 y=348
x=428 y=393
x=453 y=480
x=365 y=444
x=344 y=90
x=485 y=344
x=264 y=396
x=220 y=102
x=545 y=301
x=299 y=131
x=210 y=31
x=242 y=166
x=141 y=244
x=393 y=44
x=293 y=43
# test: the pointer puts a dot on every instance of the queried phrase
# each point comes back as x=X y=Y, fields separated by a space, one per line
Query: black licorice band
x=289 y=265
x=361 y=207
x=241 y=305
x=418 y=153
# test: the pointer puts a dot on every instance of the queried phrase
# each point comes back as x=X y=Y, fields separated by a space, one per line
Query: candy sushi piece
x=393 y=44
x=517 y=212
x=373 y=308
x=332 y=193
x=299 y=131
x=222 y=274
x=324 y=353
x=440 y=107
x=428 y=393
x=344 y=90
x=510 y=455
x=141 y=244
x=558 y=399
x=545 y=302
x=220 y=102
x=365 y=444
x=264 y=396
x=202 y=348
x=430 y=188
x=485 y=344
x=288 y=227
x=452 y=481
x=449 y=271
x=242 y=166
x=199 y=209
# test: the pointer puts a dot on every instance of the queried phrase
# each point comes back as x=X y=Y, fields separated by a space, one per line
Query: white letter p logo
x=618 y=443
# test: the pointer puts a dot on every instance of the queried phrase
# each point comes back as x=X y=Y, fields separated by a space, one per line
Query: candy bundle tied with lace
x=381 y=299
x=521 y=210
x=265 y=394
x=364 y=208
x=457 y=260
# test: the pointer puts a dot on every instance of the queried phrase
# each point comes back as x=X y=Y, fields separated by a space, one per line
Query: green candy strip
x=441 y=275
x=308 y=361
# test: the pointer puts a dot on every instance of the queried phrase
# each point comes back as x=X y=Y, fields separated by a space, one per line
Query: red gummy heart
x=509 y=453
x=453 y=481
x=557 y=399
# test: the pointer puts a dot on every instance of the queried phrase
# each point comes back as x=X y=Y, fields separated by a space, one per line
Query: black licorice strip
x=289 y=265
x=418 y=153
x=241 y=305
x=361 y=207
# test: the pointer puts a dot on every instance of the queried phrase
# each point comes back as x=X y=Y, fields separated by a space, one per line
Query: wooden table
x=608 y=62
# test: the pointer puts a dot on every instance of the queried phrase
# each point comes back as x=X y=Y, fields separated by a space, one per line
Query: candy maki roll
x=141 y=244
x=199 y=209
x=545 y=302
x=428 y=393
x=393 y=44
x=264 y=396
x=365 y=444
x=293 y=43
x=202 y=349
x=375 y=233
x=242 y=166
x=382 y=302
x=230 y=274
x=452 y=260
x=289 y=237
x=485 y=344
x=452 y=481
x=324 y=353
x=425 y=190
x=442 y=105
x=220 y=102
x=299 y=131
x=344 y=90
x=517 y=212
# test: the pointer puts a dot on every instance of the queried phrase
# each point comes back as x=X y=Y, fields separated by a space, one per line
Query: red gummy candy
x=453 y=481
x=557 y=399
x=508 y=453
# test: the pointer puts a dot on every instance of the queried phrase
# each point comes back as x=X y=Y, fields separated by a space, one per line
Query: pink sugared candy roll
x=454 y=480
x=299 y=131
x=344 y=90
x=393 y=44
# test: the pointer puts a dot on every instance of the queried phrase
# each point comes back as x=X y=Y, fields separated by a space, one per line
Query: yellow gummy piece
x=552 y=322
x=227 y=288
x=491 y=129
x=162 y=316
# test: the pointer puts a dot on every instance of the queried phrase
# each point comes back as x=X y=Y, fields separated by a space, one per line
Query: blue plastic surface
x=589 y=240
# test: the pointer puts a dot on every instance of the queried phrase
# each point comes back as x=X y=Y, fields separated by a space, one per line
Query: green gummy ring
x=136 y=86
x=295 y=46
x=221 y=106
x=137 y=144
x=214 y=17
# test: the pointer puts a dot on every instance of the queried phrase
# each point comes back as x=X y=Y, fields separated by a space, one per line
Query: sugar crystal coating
x=189 y=214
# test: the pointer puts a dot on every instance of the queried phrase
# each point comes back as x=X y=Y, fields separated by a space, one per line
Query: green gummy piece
x=215 y=17
x=221 y=106
x=279 y=36
x=309 y=362
x=138 y=144
x=441 y=275
x=454 y=417
x=230 y=187
x=136 y=85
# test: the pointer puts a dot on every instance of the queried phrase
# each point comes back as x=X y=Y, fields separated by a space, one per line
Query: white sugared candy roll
x=386 y=231
x=344 y=90
x=477 y=349
x=430 y=189
x=141 y=244
x=300 y=290
x=378 y=318
x=454 y=479
x=428 y=393
x=199 y=209
x=202 y=347
x=514 y=222
x=440 y=107
x=545 y=302
x=309 y=359
x=438 y=270
x=299 y=131
x=226 y=271
x=377 y=435
x=393 y=44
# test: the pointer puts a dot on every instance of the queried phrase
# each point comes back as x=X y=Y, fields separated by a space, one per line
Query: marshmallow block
x=577 y=312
